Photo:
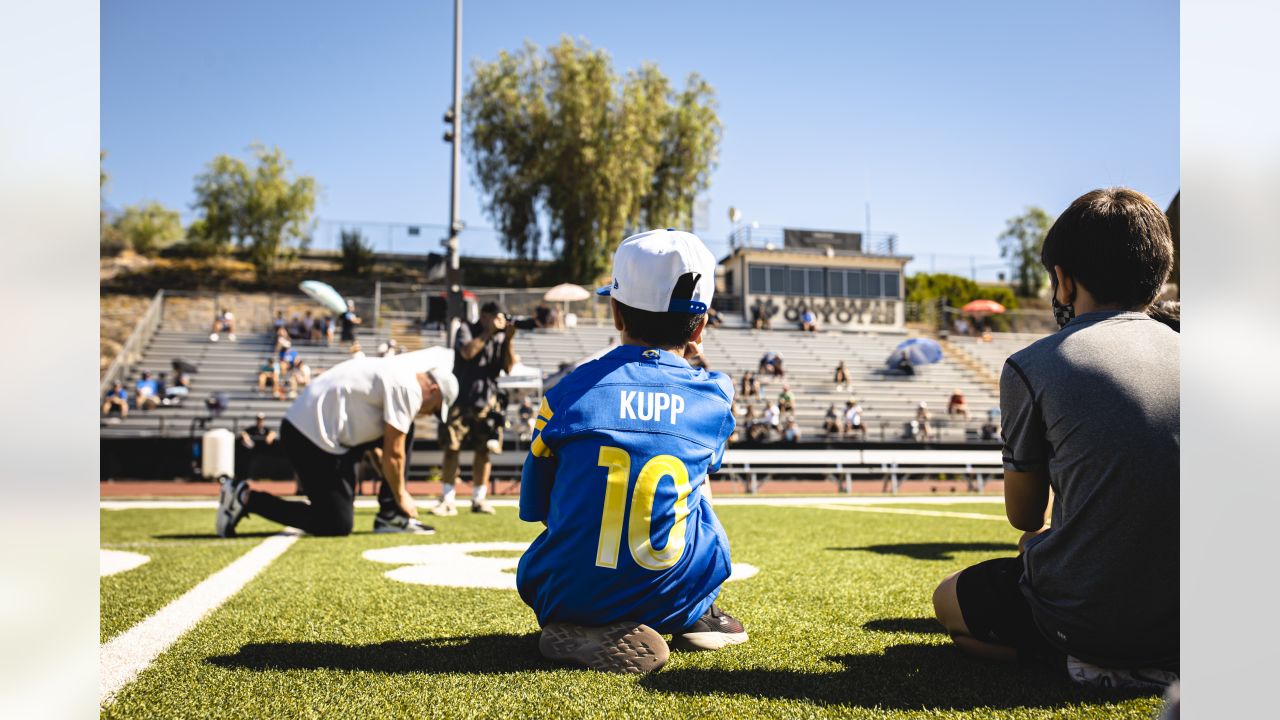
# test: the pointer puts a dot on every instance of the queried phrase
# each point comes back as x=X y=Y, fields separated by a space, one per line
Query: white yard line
x=907 y=511
x=124 y=656
x=778 y=501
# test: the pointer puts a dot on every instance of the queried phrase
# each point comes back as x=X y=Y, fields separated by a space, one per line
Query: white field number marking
x=457 y=565
x=111 y=562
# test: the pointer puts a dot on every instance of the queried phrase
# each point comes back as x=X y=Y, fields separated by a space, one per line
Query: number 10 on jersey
x=618 y=463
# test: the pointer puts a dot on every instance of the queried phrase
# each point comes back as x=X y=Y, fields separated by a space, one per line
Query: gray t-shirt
x=1097 y=405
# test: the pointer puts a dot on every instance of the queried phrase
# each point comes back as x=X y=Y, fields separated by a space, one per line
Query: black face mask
x=1061 y=313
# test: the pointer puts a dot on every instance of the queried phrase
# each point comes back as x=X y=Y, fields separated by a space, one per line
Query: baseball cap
x=663 y=271
x=448 y=389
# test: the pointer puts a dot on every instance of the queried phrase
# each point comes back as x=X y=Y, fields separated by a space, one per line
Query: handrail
x=138 y=339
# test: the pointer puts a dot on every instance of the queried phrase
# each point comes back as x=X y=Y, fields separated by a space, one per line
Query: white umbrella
x=324 y=294
x=566 y=292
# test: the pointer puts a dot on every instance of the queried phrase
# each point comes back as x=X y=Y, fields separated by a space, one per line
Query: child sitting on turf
x=617 y=470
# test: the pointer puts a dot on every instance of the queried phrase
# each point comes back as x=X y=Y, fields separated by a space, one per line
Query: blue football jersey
x=621 y=449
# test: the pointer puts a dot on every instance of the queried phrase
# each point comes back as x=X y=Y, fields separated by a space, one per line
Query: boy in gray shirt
x=1090 y=412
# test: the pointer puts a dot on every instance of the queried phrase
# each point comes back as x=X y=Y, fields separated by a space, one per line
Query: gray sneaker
x=714 y=630
x=230 y=509
x=1089 y=675
x=402 y=524
x=622 y=647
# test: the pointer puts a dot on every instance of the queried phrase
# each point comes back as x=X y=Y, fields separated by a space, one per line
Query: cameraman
x=481 y=351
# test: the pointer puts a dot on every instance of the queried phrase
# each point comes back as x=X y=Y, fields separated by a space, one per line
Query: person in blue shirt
x=617 y=471
x=146 y=392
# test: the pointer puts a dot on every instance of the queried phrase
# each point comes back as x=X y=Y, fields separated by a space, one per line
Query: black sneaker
x=230 y=509
x=401 y=524
x=623 y=647
x=714 y=630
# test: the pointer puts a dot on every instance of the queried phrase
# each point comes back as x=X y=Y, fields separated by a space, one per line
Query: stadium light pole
x=453 y=271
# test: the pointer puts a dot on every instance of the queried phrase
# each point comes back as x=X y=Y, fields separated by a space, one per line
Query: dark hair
x=491 y=307
x=664 y=330
x=1114 y=241
x=1168 y=312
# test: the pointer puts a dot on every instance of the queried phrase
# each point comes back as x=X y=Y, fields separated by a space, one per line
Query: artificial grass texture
x=183 y=549
x=839 y=616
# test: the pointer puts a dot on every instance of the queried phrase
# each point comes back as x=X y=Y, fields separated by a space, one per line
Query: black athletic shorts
x=996 y=611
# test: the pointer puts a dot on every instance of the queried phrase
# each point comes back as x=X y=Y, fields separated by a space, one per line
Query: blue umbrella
x=324 y=294
x=921 y=351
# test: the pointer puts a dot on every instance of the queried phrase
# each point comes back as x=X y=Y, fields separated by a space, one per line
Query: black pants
x=328 y=481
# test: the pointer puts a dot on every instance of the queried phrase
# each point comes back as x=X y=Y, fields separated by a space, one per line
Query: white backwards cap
x=663 y=271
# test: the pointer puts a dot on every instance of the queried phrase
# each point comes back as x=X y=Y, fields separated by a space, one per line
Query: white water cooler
x=218 y=454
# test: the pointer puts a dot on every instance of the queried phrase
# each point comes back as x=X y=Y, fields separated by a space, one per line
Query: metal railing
x=131 y=352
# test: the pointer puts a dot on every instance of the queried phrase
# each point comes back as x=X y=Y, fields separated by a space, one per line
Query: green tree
x=110 y=243
x=1021 y=242
x=149 y=228
x=257 y=208
x=560 y=135
x=357 y=255
x=926 y=289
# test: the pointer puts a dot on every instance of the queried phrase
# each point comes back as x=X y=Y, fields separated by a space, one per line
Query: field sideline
x=839 y=616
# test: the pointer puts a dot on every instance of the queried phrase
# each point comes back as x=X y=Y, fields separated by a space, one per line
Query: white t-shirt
x=350 y=404
x=853 y=415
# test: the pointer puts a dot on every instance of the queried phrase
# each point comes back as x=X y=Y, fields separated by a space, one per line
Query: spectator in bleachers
x=182 y=372
x=525 y=413
x=961 y=325
x=1091 y=414
x=295 y=327
x=282 y=340
x=904 y=364
x=117 y=398
x=771 y=418
x=318 y=328
x=760 y=316
x=791 y=431
x=225 y=322
x=920 y=426
x=173 y=393
x=853 y=419
x=542 y=315
x=299 y=377
x=750 y=385
x=146 y=394
x=757 y=429
x=278 y=323
x=388 y=348
x=990 y=430
x=771 y=363
x=256 y=439
x=808 y=321
x=956 y=404
x=831 y=422
x=269 y=376
x=308 y=326
x=288 y=357
x=841 y=377
x=713 y=318
x=786 y=401
x=349 y=321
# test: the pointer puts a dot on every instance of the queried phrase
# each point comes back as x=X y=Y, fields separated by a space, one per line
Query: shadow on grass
x=923 y=626
x=905 y=677
x=932 y=551
x=478 y=654
x=212 y=536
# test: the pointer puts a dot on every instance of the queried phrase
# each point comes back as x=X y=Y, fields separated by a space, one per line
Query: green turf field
x=839 y=616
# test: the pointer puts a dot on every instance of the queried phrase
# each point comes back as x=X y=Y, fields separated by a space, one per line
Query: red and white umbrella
x=983 y=306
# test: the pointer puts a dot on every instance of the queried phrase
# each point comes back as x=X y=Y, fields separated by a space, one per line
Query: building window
x=777 y=280
x=853 y=283
x=816 y=287
x=889 y=288
x=795 y=281
x=872 y=289
x=758 y=280
x=835 y=283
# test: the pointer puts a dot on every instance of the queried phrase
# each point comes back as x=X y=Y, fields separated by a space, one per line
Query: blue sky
x=946 y=117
